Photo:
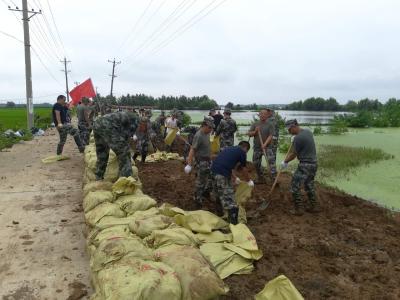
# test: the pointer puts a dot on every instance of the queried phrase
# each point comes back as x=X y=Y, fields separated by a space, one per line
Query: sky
x=243 y=51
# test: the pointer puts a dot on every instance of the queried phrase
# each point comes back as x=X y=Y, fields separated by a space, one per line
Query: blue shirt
x=227 y=160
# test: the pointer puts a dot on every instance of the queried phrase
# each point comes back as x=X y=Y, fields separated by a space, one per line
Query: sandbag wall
x=141 y=251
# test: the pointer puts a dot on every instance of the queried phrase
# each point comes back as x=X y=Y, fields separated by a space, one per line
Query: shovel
x=265 y=203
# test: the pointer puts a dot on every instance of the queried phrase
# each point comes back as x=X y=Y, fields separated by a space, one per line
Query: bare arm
x=253 y=132
x=290 y=157
x=190 y=156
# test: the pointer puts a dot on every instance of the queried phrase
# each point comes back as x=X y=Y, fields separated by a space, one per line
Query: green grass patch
x=15 y=118
x=341 y=160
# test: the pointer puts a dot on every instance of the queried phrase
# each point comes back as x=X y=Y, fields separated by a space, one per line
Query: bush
x=338 y=126
x=317 y=130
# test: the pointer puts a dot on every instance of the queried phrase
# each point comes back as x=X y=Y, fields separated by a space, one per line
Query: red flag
x=85 y=89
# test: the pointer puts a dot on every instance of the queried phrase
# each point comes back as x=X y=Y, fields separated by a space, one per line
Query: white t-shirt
x=169 y=122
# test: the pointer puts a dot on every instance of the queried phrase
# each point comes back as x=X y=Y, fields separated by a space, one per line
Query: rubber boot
x=60 y=149
x=233 y=215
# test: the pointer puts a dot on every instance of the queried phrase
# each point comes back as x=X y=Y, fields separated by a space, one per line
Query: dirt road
x=42 y=247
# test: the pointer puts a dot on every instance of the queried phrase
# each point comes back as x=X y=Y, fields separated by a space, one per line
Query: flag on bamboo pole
x=85 y=89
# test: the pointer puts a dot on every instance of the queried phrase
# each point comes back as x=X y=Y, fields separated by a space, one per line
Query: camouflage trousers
x=257 y=161
x=226 y=142
x=117 y=143
x=84 y=133
x=203 y=183
x=63 y=132
x=304 y=174
x=224 y=191
x=142 y=149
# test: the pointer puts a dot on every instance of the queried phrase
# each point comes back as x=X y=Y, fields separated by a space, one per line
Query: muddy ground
x=351 y=250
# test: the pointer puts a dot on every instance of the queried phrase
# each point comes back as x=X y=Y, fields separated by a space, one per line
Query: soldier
x=200 y=153
x=191 y=131
x=62 y=122
x=267 y=130
x=231 y=158
x=226 y=130
x=113 y=131
x=142 y=139
x=83 y=112
x=304 y=149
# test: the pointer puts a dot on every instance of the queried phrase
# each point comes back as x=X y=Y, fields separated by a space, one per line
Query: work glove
x=250 y=183
x=292 y=139
x=134 y=138
x=237 y=181
x=188 y=169
x=60 y=125
x=284 y=165
x=178 y=133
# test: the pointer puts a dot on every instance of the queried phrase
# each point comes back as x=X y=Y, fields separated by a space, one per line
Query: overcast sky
x=244 y=51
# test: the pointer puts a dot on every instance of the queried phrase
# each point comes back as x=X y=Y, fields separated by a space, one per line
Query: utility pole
x=26 y=15
x=66 y=71
x=113 y=74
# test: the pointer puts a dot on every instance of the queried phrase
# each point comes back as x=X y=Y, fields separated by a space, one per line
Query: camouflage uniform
x=224 y=191
x=226 y=130
x=143 y=134
x=275 y=136
x=64 y=131
x=305 y=173
x=83 y=126
x=113 y=131
x=203 y=183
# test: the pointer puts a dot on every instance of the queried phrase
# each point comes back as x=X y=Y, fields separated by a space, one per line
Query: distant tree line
x=163 y=102
x=331 y=104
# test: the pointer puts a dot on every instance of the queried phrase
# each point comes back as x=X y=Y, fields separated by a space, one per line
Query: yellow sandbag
x=113 y=249
x=279 y=288
x=173 y=236
x=97 y=235
x=102 y=210
x=96 y=186
x=215 y=144
x=135 y=279
x=145 y=226
x=125 y=186
x=242 y=195
x=169 y=139
x=169 y=210
x=198 y=280
x=92 y=199
x=162 y=156
x=200 y=221
x=133 y=203
x=214 y=237
x=110 y=221
x=243 y=238
x=224 y=260
x=54 y=158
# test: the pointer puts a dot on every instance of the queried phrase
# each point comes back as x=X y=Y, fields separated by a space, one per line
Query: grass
x=15 y=118
x=334 y=160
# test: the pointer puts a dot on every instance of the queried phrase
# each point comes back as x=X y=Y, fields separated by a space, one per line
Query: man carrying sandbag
x=113 y=131
x=200 y=153
x=229 y=159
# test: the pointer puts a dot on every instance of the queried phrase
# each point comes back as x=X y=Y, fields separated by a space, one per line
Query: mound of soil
x=350 y=250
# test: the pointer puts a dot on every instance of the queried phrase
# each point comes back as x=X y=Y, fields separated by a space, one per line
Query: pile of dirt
x=350 y=250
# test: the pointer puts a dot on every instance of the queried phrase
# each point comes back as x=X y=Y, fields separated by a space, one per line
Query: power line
x=136 y=25
x=55 y=25
x=45 y=41
x=45 y=67
x=181 y=30
x=11 y=36
x=187 y=26
x=159 y=30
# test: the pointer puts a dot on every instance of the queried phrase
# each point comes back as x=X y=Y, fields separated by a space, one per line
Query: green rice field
x=15 y=118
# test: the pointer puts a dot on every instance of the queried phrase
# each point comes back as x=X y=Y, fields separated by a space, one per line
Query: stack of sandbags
x=112 y=170
x=141 y=251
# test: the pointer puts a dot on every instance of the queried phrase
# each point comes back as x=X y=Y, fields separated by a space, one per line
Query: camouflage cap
x=291 y=123
x=227 y=111
x=209 y=121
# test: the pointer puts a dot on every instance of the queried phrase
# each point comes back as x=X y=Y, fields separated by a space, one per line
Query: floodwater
x=245 y=117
